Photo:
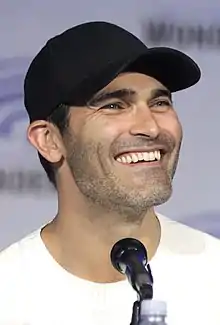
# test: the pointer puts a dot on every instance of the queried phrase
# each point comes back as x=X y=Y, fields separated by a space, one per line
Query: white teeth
x=139 y=156
x=152 y=156
x=146 y=156
x=134 y=157
x=124 y=160
x=157 y=155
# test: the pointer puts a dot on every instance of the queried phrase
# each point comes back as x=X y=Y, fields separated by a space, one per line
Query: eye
x=162 y=104
x=113 y=106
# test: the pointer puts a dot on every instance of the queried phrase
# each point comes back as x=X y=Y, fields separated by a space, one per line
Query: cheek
x=104 y=129
x=178 y=131
x=170 y=123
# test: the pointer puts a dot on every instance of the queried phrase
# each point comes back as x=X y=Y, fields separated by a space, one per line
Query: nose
x=144 y=122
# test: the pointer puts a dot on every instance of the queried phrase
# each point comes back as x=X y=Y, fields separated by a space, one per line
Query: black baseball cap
x=76 y=64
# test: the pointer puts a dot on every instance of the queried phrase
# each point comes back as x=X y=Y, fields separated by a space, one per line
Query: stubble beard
x=106 y=191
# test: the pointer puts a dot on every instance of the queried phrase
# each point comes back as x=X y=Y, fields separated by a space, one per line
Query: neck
x=81 y=237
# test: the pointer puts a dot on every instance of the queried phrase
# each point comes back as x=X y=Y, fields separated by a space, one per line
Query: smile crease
x=135 y=157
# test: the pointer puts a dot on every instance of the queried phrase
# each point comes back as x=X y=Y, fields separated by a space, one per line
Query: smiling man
x=107 y=133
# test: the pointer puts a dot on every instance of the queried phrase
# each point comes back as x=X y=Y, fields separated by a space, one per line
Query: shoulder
x=183 y=239
x=16 y=262
x=17 y=252
x=190 y=265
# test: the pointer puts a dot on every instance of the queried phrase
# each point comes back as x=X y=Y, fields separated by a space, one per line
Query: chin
x=162 y=199
x=156 y=196
x=140 y=201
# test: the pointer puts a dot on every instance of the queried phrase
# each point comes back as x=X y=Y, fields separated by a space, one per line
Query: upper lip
x=162 y=149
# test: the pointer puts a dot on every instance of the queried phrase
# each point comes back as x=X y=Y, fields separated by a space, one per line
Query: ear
x=45 y=137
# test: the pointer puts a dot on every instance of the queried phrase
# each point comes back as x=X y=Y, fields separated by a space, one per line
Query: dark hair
x=60 y=118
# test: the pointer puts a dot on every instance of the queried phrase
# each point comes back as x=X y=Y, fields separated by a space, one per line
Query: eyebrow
x=106 y=95
x=160 y=92
x=126 y=93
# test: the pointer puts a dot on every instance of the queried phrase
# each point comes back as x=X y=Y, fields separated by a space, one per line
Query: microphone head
x=126 y=246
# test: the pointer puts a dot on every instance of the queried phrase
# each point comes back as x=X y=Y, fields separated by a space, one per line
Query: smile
x=135 y=157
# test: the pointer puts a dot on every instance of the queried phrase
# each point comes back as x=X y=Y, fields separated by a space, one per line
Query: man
x=107 y=133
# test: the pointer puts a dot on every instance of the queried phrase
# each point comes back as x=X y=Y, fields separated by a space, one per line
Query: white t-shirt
x=35 y=290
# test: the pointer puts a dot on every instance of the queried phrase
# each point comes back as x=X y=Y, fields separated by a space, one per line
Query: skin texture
x=100 y=199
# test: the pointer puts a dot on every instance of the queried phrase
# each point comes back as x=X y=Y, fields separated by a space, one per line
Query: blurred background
x=27 y=200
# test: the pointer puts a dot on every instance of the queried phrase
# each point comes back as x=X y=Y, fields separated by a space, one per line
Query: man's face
x=123 y=147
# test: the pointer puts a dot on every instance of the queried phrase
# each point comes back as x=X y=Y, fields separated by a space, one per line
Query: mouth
x=140 y=157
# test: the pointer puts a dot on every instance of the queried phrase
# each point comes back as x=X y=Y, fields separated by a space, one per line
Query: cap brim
x=174 y=69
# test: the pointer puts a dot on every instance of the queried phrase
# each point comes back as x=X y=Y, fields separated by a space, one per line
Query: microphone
x=129 y=257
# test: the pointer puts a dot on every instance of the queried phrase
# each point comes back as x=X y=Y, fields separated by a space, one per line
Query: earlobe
x=43 y=136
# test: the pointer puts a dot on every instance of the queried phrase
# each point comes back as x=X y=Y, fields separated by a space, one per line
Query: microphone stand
x=145 y=292
x=135 y=313
x=129 y=256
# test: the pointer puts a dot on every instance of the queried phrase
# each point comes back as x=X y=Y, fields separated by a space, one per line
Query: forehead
x=135 y=81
